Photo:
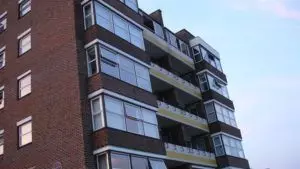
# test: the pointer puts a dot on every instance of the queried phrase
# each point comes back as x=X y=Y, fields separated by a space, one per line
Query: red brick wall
x=55 y=101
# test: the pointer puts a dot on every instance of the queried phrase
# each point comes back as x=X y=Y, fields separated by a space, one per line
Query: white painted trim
x=24 y=33
x=121 y=14
x=2 y=87
x=116 y=50
x=24 y=121
x=200 y=167
x=129 y=151
x=3 y=14
x=23 y=75
x=209 y=72
x=222 y=133
x=214 y=100
x=127 y=99
x=3 y=48
x=1 y=131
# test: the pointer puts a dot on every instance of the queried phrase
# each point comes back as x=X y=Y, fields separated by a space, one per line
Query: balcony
x=189 y=155
x=174 y=80
x=159 y=46
x=181 y=116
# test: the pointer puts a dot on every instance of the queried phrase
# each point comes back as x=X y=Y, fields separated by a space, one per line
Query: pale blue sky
x=259 y=43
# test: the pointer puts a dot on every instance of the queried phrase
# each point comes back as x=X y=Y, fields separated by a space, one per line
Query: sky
x=259 y=44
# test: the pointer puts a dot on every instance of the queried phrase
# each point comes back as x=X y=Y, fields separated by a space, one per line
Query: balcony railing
x=174 y=80
x=186 y=154
x=182 y=116
x=168 y=48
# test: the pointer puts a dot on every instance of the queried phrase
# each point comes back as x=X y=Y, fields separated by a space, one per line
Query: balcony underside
x=161 y=82
x=181 y=119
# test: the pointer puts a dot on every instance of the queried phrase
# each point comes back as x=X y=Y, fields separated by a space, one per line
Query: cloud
x=281 y=8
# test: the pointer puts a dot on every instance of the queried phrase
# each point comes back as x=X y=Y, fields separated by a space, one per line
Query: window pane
x=139 y=163
x=88 y=15
x=158 y=164
x=217 y=141
x=133 y=111
x=115 y=121
x=113 y=105
x=97 y=121
x=132 y=4
x=96 y=106
x=92 y=61
x=127 y=71
x=25 y=44
x=26 y=128
x=144 y=84
x=151 y=130
x=103 y=17
x=25 y=7
x=134 y=126
x=110 y=68
x=119 y=161
x=108 y=54
x=142 y=71
x=158 y=30
x=121 y=27
x=149 y=116
x=102 y=162
x=25 y=139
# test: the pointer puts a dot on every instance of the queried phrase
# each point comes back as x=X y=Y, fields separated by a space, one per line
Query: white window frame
x=113 y=16
x=3 y=22
x=186 y=45
x=2 y=141
x=20 y=124
x=23 y=36
x=101 y=112
x=199 y=53
x=23 y=3
x=159 y=30
x=85 y=15
x=125 y=116
x=225 y=146
x=2 y=101
x=20 y=78
x=94 y=60
x=2 y=53
x=220 y=116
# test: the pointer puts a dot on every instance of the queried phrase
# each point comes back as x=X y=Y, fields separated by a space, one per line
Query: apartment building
x=101 y=84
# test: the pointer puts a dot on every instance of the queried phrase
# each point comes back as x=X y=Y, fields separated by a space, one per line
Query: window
x=158 y=30
x=128 y=161
x=203 y=82
x=24 y=44
x=139 y=163
x=184 y=48
x=24 y=7
x=2 y=57
x=128 y=117
x=132 y=4
x=25 y=133
x=118 y=25
x=216 y=111
x=1 y=142
x=92 y=60
x=197 y=54
x=120 y=161
x=115 y=113
x=214 y=84
x=97 y=113
x=232 y=146
x=211 y=59
x=3 y=22
x=171 y=39
x=2 y=97
x=121 y=67
x=219 y=150
x=157 y=164
x=24 y=85
x=88 y=15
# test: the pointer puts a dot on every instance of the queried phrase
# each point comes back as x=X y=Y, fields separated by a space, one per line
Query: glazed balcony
x=189 y=155
x=159 y=47
x=173 y=80
x=181 y=116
